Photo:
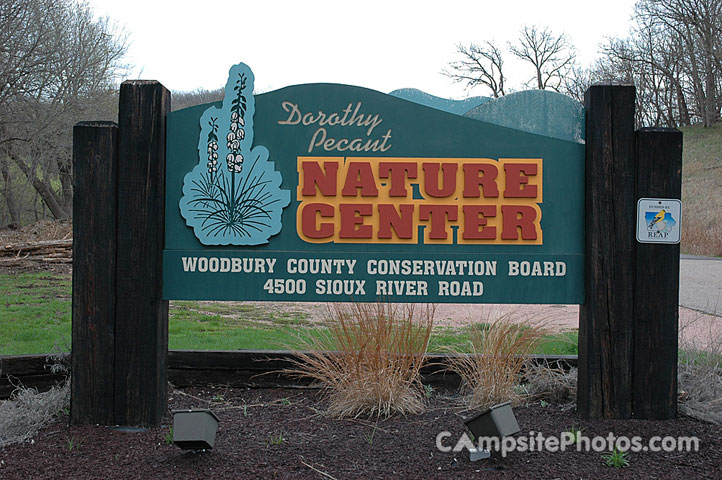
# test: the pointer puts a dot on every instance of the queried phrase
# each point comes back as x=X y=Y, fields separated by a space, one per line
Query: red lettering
x=402 y=222
x=352 y=220
x=309 y=227
x=360 y=175
x=480 y=175
x=313 y=176
x=517 y=180
x=398 y=171
x=475 y=217
x=518 y=216
x=438 y=214
x=431 y=182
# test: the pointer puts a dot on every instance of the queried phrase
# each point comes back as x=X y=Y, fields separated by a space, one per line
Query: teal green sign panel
x=329 y=192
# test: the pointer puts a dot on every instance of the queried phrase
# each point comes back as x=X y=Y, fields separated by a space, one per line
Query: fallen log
x=55 y=259
x=21 y=248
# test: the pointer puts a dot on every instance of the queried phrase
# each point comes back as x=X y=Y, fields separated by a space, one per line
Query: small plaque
x=659 y=220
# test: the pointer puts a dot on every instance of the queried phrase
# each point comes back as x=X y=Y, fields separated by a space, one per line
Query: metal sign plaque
x=659 y=220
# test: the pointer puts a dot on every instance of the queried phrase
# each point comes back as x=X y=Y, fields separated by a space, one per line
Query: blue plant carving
x=241 y=203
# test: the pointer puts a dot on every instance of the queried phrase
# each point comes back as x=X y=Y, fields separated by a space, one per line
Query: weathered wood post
x=120 y=322
x=605 y=319
x=141 y=335
x=95 y=161
x=628 y=325
x=656 y=293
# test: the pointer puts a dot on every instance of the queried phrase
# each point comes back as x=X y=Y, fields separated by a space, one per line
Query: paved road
x=700 y=284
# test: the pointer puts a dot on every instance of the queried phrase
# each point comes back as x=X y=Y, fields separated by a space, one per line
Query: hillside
x=702 y=190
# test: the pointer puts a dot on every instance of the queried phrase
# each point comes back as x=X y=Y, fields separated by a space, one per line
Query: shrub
x=369 y=362
x=490 y=373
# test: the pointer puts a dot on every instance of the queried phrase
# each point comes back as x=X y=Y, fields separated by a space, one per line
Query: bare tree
x=695 y=27
x=197 y=97
x=576 y=83
x=9 y=192
x=551 y=56
x=480 y=65
x=672 y=55
x=58 y=65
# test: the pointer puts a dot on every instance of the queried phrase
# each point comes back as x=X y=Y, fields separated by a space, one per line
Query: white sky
x=384 y=45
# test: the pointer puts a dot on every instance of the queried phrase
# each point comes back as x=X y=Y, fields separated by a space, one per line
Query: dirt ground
x=696 y=328
x=45 y=230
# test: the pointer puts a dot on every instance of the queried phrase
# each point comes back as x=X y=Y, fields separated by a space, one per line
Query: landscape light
x=194 y=429
x=496 y=421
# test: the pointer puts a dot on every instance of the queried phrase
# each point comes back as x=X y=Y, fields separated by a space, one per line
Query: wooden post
x=656 y=294
x=95 y=156
x=141 y=335
x=605 y=319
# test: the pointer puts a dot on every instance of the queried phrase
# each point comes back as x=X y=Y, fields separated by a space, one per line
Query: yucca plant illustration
x=233 y=205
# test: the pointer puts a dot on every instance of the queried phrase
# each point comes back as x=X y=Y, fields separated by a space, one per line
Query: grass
x=34 y=313
x=275 y=439
x=35 y=316
x=701 y=190
x=458 y=338
x=575 y=433
x=700 y=379
x=549 y=384
x=616 y=459
x=168 y=437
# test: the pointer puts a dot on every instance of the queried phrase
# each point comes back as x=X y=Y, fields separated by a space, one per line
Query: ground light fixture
x=194 y=428
x=496 y=421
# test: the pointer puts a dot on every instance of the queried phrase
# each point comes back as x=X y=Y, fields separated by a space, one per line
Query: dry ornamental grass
x=369 y=362
x=490 y=374
x=699 y=373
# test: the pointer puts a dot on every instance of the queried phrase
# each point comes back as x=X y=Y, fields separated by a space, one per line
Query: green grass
x=211 y=333
x=700 y=357
x=35 y=316
x=34 y=313
x=443 y=338
x=563 y=343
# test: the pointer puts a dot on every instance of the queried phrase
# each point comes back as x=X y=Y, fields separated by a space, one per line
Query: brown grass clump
x=553 y=384
x=490 y=373
x=701 y=190
x=702 y=236
x=369 y=362
x=699 y=374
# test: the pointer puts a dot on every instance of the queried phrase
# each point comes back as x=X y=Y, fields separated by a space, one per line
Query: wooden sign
x=331 y=192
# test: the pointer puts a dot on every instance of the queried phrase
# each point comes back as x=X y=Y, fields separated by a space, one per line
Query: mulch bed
x=315 y=446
